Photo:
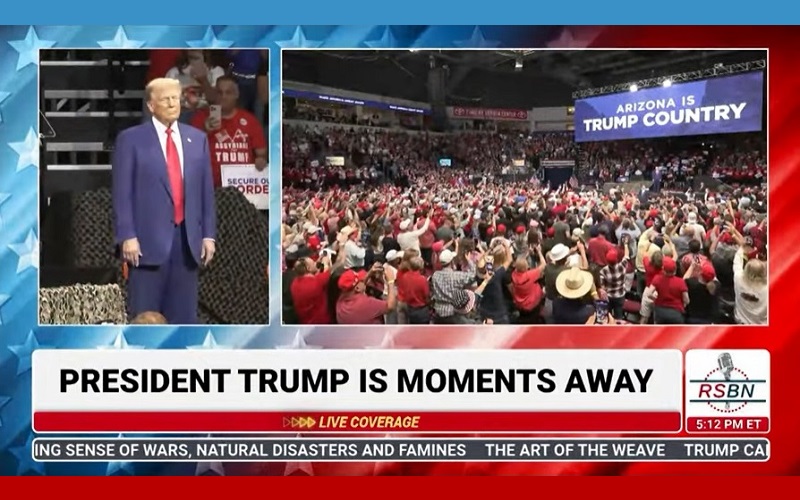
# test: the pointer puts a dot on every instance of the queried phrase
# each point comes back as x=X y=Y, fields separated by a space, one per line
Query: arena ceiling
x=494 y=78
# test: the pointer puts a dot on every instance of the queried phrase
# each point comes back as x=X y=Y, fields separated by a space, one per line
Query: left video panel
x=154 y=187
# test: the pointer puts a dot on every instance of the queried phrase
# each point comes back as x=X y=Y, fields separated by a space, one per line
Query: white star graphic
x=581 y=37
x=204 y=468
x=3 y=299
x=3 y=97
x=27 y=150
x=120 y=343
x=121 y=41
x=24 y=351
x=210 y=41
x=28 y=252
x=299 y=342
x=209 y=342
x=28 y=48
x=477 y=40
x=292 y=467
x=386 y=41
x=298 y=40
x=115 y=467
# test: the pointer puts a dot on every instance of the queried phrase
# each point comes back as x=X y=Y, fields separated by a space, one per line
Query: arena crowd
x=392 y=237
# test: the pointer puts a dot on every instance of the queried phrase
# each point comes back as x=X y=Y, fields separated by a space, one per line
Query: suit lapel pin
x=189 y=139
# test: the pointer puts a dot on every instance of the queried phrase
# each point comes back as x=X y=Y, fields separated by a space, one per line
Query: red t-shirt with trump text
x=235 y=141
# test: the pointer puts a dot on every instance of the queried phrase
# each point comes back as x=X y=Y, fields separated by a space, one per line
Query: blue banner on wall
x=715 y=106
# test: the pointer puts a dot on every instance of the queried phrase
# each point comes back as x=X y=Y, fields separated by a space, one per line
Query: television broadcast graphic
x=487 y=250
x=572 y=204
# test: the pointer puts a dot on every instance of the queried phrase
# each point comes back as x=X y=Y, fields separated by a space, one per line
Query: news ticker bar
x=398 y=450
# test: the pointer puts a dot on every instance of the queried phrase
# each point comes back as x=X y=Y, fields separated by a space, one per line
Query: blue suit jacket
x=142 y=195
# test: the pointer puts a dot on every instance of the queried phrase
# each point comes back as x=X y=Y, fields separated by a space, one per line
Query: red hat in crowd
x=668 y=265
x=551 y=232
x=501 y=228
x=612 y=256
x=520 y=229
x=349 y=279
x=707 y=272
x=653 y=212
x=313 y=242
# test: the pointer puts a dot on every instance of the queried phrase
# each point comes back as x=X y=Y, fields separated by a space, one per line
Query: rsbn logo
x=727 y=388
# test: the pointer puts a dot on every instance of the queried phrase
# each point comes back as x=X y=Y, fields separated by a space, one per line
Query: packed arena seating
x=392 y=237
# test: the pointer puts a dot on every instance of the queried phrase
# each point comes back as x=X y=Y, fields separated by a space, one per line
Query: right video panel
x=501 y=187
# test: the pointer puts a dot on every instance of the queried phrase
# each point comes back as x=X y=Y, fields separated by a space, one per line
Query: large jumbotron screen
x=714 y=106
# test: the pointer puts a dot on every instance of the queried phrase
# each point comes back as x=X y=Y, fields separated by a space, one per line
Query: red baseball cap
x=349 y=279
x=707 y=272
x=668 y=265
x=612 y=256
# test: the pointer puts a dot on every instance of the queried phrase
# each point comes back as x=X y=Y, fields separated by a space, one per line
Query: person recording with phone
x=494 y=304
x=612 y=278
x=235 y=135
x=355 y=306
x=703 y=307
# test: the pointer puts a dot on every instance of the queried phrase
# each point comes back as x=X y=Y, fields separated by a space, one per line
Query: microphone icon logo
x=725 y=363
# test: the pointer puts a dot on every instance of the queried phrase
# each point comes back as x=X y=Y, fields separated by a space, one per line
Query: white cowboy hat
x=574 y=283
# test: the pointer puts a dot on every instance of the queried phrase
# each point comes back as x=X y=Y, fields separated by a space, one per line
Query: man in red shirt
x=355 y=307
x=414 y=289
x=598 y=247
x=237 y=139
x=310 y=291
x=672 y=295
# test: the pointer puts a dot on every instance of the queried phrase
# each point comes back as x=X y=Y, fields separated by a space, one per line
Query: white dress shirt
x=161 y=130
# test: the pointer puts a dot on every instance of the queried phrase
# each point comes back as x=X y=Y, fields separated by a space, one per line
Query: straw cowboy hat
x=574 y=283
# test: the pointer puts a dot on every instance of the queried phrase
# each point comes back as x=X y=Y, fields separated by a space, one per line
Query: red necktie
x=175 y=177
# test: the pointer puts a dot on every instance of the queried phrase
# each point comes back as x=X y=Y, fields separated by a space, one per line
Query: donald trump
x=164 y=215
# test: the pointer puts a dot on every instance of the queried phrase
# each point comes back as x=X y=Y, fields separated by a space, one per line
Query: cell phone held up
x=601 y=312
x=215 y=114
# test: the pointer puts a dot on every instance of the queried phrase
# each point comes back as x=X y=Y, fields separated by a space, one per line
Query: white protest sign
x=252 y=183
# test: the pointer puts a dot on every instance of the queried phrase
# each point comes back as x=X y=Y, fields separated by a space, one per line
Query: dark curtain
x=557 y=176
